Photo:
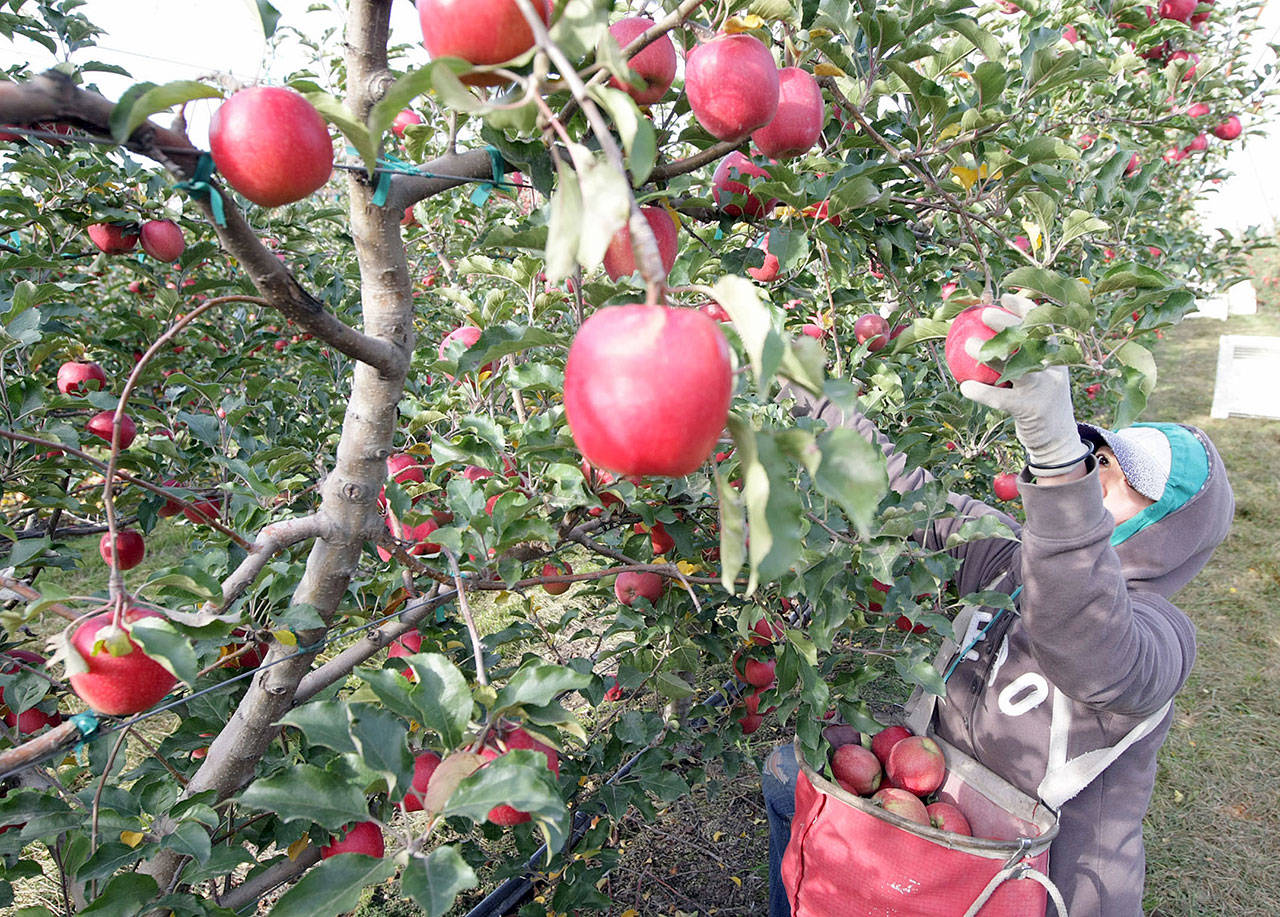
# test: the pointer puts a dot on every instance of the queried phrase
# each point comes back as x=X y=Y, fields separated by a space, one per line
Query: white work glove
x=1039 y=402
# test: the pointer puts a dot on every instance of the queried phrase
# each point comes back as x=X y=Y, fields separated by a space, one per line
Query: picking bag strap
x=1018 y=871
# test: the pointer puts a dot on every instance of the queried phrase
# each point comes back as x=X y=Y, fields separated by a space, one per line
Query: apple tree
x=540 y=334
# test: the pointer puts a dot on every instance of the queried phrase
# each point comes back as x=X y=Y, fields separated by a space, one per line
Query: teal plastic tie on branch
x=388 y=166
x=498 y=166
x=198 y=187
x=15 y=240
x=88 y=725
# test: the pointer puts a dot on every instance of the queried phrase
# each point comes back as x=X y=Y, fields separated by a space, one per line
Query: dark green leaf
x=142 y=101
x=124 y=896
x=334 y=886
x=434 y=881
x=538 y=683
x=852 y=472
x=304 y=791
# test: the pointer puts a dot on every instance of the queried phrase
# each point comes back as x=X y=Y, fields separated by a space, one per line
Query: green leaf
x=434 y=881
x=124 y=896
x=189 y=839
x=538 y=683
x=852 y=472
x=379 y=736
x=323 y=722
x=497 y=341
x=357 y=134
x=733 y=532
x=981 y=39
x=916 y=669
x=1051 y=284
x=162 y=642
x=403 y=91
x=140 y=102
x=268 y=15
x=564 y=224
x=639 y=140
x=440 y=696
x=754 y=324
x=1139 y=381
x=521 y=779
x=306 y=792
x=334 y=886
x=607 y=199
x=1081 y=223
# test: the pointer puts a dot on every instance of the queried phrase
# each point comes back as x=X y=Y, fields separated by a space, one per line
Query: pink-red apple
x=727 y=185
x=620 y=259
x=916 y=764
x=404 y=119
x=1180 y=10
x=202 y=512
x=562 y=569
x=872 y=330
x=128 y=548
x=631 y=585
x=1229 y=129
x=647 y=388
x=797 y=125
x=732 y=84
x=363 y=837
x=760 y=672
x=946 y=817
x=767 y=272
x=481 y=32
x=424 y=768
x=74 y=378
x=655 y=64
x=102 y=425
x=117 y=685
x=901 y=803
x=856 y=769
x=271 y=145
x=1005 y=486
x=113 y=238
x=163 y=240
x=883 y=741
x=965 y=327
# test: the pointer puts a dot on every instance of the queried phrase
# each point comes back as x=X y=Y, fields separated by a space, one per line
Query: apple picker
x=1070 y=697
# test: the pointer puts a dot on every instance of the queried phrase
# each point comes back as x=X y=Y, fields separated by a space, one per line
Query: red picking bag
x=850 y=858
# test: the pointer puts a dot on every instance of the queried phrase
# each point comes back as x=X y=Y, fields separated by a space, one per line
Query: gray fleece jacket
x=1092 y=661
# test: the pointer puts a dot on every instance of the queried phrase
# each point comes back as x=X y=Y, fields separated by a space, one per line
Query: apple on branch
x=271 y=145
x=655 y=64
x=732 y=84
x=74 y=378
x=481 y=32
x=118 y=677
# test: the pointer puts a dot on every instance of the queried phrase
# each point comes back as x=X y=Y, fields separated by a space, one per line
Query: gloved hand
x=1039 y=402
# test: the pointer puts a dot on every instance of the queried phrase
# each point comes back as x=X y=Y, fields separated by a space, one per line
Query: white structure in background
x=1248 y=381
x=1239 y=299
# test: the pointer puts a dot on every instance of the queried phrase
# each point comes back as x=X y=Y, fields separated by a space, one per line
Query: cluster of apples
x=898 y=772
x=161 y=239
x=758 y=674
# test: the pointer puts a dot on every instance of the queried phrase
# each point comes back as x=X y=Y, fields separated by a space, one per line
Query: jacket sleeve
x=1120 y=651
x=984 y=561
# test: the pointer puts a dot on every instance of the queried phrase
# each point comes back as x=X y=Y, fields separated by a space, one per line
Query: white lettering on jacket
x=974 y=632
x=1036 y=688
x=1001 y=656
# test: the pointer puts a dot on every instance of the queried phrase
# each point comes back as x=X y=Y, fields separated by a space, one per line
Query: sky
x=164 y=40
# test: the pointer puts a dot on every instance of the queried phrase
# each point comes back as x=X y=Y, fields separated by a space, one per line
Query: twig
x=464 y=607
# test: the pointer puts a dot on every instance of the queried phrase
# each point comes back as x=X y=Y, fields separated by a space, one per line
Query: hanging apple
x=162 y=240
x=797 y=125
x=271 y=145
x=74 y=378
x=123 y=684
x=481 y=32
x=725 y=182
x=620 y=260
x=655 y=64
x=732 y=85
x=647 y=388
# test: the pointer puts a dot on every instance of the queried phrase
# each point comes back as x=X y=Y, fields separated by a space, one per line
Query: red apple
x=1180 y=10
x=118 y=685
x=821 y=211
x=102 y=425
x=271 y=145
x=767 y=272
x=732 y=84
x=415 y=534
x=872 y=330
x=1186 y=56
x=251 y=658
x=1070 y=34
x=655 y=64
x=1174 y=154
x=171 y=507
x=504 y=741
x=1197 y=110
x=903 y=623
x=128 y=550
x=647 y=388
x=1087 y=140
x=424 y=767
x=714 y=310
x=1199 y=143
x=766 y=632
x=468 y=335
x=946 y=817
x=967 y=326
x=481 y=32
x=1229 y=129
x=403 y=120
x=1134 y=165
x=162 y=240
x=113 y=238
x=620 y=260
x=750 y=722
x=629 y=586
x=760 y=673
x=660 y=540
x=797 y=125
x=33 y=719
x=856 y=769
x=203 y=512
x=404 y=468
x=1005 y=486
x=562 y=569
x=722 y=183
x=884 y=740
x=363 y=837
x=916 y=764
x=814 y=331
x=74 y=378
x=901 y=803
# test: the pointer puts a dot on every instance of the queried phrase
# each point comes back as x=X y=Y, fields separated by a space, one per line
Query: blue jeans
x=778 y=782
